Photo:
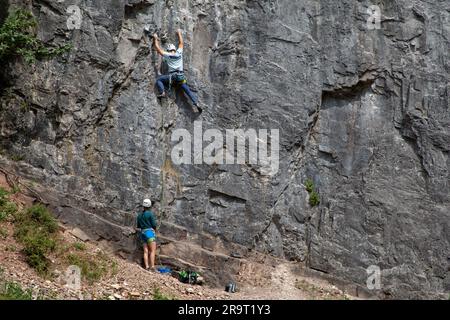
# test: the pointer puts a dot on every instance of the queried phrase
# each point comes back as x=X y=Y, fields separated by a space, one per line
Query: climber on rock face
x=146 y=224
x=174 y=59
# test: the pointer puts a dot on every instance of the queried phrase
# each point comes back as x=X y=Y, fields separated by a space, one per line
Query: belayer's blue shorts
x=148 y=236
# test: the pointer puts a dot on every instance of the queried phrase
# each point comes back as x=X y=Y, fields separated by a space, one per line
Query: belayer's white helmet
x=147 y=203
x=171 y=47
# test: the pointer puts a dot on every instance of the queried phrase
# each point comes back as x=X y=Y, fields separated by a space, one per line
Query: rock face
x=363 y=112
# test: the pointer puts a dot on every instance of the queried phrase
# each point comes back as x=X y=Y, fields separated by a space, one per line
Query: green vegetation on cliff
x=18 y=39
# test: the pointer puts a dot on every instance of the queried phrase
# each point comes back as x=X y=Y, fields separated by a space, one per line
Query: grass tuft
x=93 y=267
x=314 y=198
x=7 y=208
x=80 y=246
x=158 y=295
x=13 y=291
x=36 y=229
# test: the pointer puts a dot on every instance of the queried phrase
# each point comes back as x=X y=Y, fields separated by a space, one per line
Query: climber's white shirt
x=175 y=60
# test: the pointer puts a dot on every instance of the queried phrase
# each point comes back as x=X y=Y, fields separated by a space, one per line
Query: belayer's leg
x=146 y=253
x=189 y=93
x=152 y=249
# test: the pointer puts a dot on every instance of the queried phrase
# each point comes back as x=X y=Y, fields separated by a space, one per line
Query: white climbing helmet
x=171 y=47
x=147 y=203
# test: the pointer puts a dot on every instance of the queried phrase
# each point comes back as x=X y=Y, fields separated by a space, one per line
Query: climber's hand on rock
x=155 y=36
x=179 y=31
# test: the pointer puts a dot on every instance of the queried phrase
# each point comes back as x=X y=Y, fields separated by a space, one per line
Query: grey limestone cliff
x=364 y=113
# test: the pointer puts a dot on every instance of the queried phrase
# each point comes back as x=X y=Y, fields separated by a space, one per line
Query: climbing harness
x=176 y=77
x=179 y=77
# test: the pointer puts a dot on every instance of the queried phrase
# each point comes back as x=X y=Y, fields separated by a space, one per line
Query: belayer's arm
x=153 y=221
x=180 y=39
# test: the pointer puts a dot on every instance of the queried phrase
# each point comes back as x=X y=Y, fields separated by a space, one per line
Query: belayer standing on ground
x=146 y=223
x=174 y=59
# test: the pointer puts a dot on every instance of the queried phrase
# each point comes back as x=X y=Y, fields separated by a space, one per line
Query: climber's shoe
x=151 y=270
x=197 y=108
x=162 y=95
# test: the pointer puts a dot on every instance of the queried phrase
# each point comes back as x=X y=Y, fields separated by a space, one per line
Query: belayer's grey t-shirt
x=174 y=60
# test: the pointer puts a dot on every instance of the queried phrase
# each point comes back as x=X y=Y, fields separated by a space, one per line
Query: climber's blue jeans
x=165 y=79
